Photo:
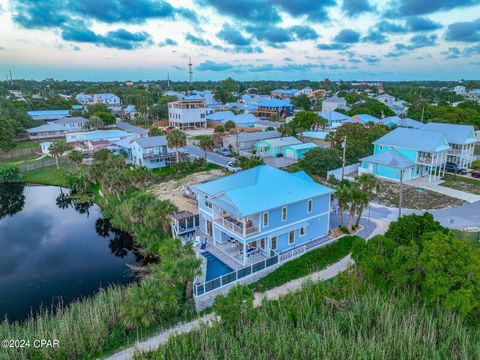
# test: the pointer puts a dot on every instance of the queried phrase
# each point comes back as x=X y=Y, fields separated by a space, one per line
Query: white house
x=460 y=90
x=333 y=103
x=188 y=113
x=72 y=124
x=84 y=99
x=107 y=99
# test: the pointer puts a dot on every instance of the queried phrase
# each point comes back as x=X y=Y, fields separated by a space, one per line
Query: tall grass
x=324 y=321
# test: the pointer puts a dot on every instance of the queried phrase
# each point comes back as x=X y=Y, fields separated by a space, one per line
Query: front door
x=209 y=228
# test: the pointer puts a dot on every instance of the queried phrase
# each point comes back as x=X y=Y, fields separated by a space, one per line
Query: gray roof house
x=48 y=131
x=246 y=140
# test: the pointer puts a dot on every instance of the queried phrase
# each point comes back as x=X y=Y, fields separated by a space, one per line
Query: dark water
x=54 y=251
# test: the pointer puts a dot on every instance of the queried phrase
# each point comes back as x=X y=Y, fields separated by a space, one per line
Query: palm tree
x=206 y=144
x=342 y=195
x=284 y=129
x=56 y=149
x=331 y=138
x=76 y=157
x=356 y=199
x=176 y=139
x=229 y=125
x=368 y=183
x=94 y=123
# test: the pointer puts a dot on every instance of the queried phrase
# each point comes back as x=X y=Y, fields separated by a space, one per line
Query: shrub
x=9 y=173
x=237 y=304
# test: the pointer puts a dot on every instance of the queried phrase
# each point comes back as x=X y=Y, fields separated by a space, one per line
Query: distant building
x=246 y=140
x=265 y=124
x=48 y=131
x=280 y=108
x=275 y=147
x=72 y=124
x=298 y=151
x=305 y=91
x=48 y=115
x=188 y=114
x=333 y=117
x=152 y=152
x=107 y=99
x=319 y=93
x=364 y=119
x=460 y=90
x=333 y=103
x=474 y=94
x=84 y=99
x=219 y=117
x=284 y=93
x=386 y=99
x=129 y=83
x=130 y=112
x=98 y=139
x=392 y=121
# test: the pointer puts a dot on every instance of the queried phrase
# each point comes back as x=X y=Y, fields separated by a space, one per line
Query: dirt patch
x=414 y=198
x=469 y=185
x=174 y=190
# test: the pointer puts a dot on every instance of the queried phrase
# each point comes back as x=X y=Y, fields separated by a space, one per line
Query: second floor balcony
x=243 y=227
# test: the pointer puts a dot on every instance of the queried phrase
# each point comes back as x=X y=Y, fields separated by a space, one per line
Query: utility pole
x=344 y=153
x=423 y=110
x=400 y=202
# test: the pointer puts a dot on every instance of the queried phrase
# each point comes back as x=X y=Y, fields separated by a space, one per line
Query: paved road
x=211 y=156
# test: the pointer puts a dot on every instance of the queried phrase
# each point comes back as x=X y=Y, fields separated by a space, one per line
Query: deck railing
x=230 y=225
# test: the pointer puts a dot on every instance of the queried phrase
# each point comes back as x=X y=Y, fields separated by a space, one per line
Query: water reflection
x=12 y=199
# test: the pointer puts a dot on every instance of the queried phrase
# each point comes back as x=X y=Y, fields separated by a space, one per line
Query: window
x=262 y=244
x=265 y=219
x=273 y=243
x=303 y=231
x=284 y=213
x=291 y=237
x=208 y=204
x=310 y=206
x=381 y=147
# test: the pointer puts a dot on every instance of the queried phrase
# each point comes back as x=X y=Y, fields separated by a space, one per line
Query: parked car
x=231 y=166
x=454 y=168
x=476 y=174
x=222 y=151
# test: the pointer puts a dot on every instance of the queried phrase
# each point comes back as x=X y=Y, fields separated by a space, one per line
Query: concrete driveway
x=212 y=157
x=279 y=162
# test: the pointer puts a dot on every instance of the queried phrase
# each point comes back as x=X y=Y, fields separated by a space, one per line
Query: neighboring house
x=188 y=113
x=245 y=141
x=98 y=139
x=219 y=117
x=132 y=128
x=72 y=124
x=284 y=93
x=333 y=118
x=474 y=94
x=275 y=147
x=84 y=99
x=245 y=120
x=152 y=152
x=364 y=119
x=265 y=124
x=333 y=103
x=251 y=101
x=316 y=137
x=45 y=146
x=207 y=96
x=48 y=115
x=319 y=93
x=264 y=210
x=107 y=99
x=393 y=121
x=386 y=99
x=298 y=151
x=410 y=153
x=130 y=112
x=461 y=139
x=124 y=147
x=305 y=91
x=280 y=108
x=48 y=131
x=460 y=90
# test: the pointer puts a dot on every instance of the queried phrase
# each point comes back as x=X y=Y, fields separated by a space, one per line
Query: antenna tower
x=190 y=71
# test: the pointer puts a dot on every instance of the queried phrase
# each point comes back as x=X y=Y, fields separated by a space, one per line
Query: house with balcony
x=263 y=211
x=461 y=139
x=152 y=152
x=406 y=153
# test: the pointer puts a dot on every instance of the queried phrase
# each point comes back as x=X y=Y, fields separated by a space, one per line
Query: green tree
x=410 y=229
x=141 y=177
x=319 y=160
x=8 y=131
x=76 y=157
x=248 y=162
x=306 y=120
x=154 y=131
x=94 y=123
x=78 y=182
x=236 y=305
x=9 y=173
x=94 y=108
x=219 y=129
x=206 y=144
x=107 y=117
x=229 y=125
x=343 y=197
x=224 y=92
x=369 y=185
x=176 y=139
x=302 y=102
x=57 y=149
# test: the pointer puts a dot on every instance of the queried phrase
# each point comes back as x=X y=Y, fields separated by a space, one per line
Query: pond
x=54 y=250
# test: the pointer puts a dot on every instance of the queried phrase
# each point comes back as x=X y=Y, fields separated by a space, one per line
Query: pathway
x=329 y=272
x=438 y=188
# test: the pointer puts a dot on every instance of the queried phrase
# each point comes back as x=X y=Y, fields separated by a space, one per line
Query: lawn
x=19 y=159
x=49 y=175
x=27 y=145
x=462 y=183
x=311 y=262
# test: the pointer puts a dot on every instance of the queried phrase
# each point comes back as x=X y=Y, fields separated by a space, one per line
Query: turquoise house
x=407 y=153
x=275 y=147
x=262 y=212
x=298 y=151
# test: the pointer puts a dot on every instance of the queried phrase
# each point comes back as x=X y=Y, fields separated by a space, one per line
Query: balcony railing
x=237 y=227
x=424 y=160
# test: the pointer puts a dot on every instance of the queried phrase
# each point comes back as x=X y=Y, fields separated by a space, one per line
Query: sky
x=104 y=40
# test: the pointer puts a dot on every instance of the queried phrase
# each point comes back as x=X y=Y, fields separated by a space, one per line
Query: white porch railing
x=249 y=230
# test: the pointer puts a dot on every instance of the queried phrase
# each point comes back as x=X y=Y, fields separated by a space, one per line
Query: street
x=212 y=157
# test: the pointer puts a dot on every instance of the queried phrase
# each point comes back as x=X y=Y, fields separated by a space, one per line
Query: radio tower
x=190 y=71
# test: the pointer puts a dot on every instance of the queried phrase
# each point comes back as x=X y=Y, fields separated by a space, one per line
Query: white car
x=231 y=167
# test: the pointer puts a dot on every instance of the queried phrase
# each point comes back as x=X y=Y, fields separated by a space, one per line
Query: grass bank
x=339 y=319
x=462 y=183
x=49 y=175
x=311 y=262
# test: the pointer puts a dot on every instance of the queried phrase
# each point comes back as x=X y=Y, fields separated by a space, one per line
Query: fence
x=29 y=166
x=19 y=153
x=337 y=173
x=200 y=289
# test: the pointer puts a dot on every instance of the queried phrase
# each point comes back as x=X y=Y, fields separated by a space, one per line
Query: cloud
x=315 y=11
x=473 y=50
x=348 y=36
x=232 y=36
x=464 y=31
x=375 y=37
x=168 y=42
x=385 y=26
x=422 y=7
x=334 y=46
x=118 y=39
x=253 y=11
x=213 y=66
x=272 y=35
x=32 y=14
x=420 y=24
x=356 y=7
x=304 y=32
x=452 y=53
x=197 y=41
x=370 y=59
x=417 y=42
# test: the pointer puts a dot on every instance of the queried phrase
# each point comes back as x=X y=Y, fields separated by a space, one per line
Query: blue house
x=407 y=153
x=393 y=121
x=281 y=108
x=364 y=119
x=152 y=152
x=263 y=211
x=333 y=117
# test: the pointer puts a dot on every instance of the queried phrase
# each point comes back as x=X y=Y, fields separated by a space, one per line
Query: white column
x=244 y=254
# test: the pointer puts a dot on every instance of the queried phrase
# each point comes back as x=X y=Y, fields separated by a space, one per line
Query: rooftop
x=333 y=116
x=48 y=112
x=221 y=115
x=268 y=186
x=46 y=128
x=275 y=103
x=258 y=135
x=283 y=141
x=71 y=120
x=315 y=134
x=336 y=99
x=414 y=139
x=364 y=118
x=407 y=122
x=389 y=158
x=456 y=134
x=303 y=146
x=132 y=128
x=152 y=141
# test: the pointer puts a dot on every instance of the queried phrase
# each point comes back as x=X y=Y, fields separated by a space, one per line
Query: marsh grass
x=328 y=321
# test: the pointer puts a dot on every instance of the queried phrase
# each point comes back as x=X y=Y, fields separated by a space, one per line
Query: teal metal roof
x=414 y=139
x=262 y=188
x=315 y=134
x=282 y=141
x=303 y=146
x=456 y=134
x=389 y=158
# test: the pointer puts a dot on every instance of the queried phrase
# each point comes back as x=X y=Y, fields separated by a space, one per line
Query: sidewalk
x=437 y=187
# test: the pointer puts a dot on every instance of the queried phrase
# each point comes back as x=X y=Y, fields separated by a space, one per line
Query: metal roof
x=414 y=139
x=389 y=157
x=152 y=141
x=456 y=134
x=283 y=141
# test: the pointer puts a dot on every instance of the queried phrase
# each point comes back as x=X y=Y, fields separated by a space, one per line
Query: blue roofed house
x=393 y=121
x=281 y=108
x=461 y=139
x=48 y=115
x=364 y=119
x=284 y=93
x=107 y=99
x=219 y=117
x=264 y=210
x=405 y=154
x=333 y=118
x=298 y=151
x=275 y=147
x=245 y=120
x=152 y=152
